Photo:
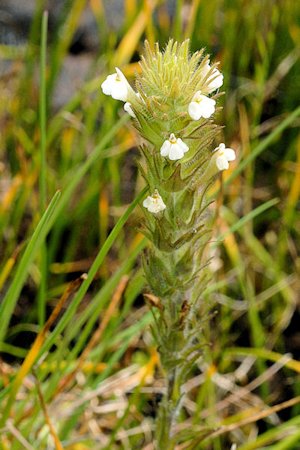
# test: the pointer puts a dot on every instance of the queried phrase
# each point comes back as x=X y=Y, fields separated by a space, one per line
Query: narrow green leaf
x=43 y=167
x=263 y=145
x=34 y=245
x=91 y=274
x=250 y=216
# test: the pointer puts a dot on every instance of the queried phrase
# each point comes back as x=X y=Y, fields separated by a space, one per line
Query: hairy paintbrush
x=173 y=107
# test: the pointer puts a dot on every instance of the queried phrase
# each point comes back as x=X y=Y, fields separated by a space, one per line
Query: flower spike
x=173 y=91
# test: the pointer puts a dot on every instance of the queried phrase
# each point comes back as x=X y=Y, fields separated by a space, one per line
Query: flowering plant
x=173 y=108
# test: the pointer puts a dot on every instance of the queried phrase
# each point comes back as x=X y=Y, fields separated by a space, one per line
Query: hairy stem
x=169 y=411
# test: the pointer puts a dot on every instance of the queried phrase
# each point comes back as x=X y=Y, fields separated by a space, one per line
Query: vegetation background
x=79 y=369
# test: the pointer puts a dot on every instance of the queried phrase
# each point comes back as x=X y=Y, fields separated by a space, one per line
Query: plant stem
x=169 y=411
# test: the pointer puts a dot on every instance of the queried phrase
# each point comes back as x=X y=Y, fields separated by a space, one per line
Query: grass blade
x=263 y=144
x=34 y=245
x=250 y=216
x=92 y=272
x=43 y=167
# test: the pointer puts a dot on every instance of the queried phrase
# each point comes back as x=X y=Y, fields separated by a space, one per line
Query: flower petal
x=194 y=111
x=230 y=154
x=165 y=148
x=215 y=81
x=222 y=163
x=107 y=84
x=182 y=145
x=129 y=110
x=176 y=152
x=119 y=91
x=146 y=202
x=207 y=106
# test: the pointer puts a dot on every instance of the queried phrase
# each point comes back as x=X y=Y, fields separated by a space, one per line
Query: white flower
x=117 y=86
x=173 y=148
x=154 y=203
x=201 y=106
x=215 y=80
x=129 y=110
x=223 y=156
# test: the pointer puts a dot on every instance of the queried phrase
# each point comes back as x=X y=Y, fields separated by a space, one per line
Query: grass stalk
x=169 y=411
x=41 y=309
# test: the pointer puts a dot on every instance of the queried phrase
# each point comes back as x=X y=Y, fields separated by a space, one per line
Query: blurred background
x=97 y=375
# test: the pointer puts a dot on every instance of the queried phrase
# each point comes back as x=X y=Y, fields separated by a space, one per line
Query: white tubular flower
x=215 y=80
x=154 y=203
x=117 y=86
x=223 y=156
x=201 y=106
x=129 y=110
x=173 y=148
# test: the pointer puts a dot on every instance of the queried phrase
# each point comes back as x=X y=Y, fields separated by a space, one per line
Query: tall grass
x=78 y=367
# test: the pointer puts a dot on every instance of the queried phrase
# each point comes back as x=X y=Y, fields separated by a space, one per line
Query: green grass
x=69 y=195
x=43 y=165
